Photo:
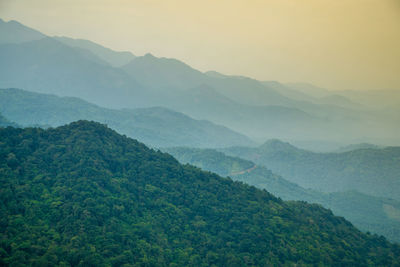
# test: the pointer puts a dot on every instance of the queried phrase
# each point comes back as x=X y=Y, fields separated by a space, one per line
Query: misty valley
x=112 y=159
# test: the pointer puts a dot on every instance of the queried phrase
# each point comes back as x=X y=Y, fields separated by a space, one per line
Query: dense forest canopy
x=83 y=195
x=369 y=213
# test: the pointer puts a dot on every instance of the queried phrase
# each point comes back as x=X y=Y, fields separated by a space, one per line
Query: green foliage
x=368 y=213
x=83 y=195
x=369 y=171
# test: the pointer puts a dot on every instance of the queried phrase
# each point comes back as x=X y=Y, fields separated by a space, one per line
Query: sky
x=336 y=44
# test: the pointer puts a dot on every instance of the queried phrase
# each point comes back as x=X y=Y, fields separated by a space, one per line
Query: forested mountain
x=368 y=213
x=370 y=171
x=154 y=126
x=84 y=195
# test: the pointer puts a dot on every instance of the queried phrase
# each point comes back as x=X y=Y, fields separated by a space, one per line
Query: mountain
x=84 y=195
x=84 y=69
x=356 y=147
x=173 y=74
x=380 y=98
x=14 y=32
x=49 y=66
x=114 y=58
x=371 y=171
x=159 y=127
x=368 y=213
x=5 y=122
x=287 y=91
x=310 y=89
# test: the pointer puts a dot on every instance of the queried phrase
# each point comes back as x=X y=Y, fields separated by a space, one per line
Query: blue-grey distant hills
x=155 y=126
x=49 y=66
x=114 y=58
x=373 y=171
x=261 y=110
x=14 y=32
x=375 y=214
x=4 y=122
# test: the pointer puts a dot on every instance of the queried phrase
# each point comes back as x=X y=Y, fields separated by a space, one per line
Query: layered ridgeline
x=4 y=122
x=82 y=194
x=154 y=126
x=373 y=171
x=368 y=213
x=261 y=110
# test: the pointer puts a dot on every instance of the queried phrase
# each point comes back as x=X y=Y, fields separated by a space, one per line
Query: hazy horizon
x=338 y=46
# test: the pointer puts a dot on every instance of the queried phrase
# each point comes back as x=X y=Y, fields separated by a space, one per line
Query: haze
x=334 y=44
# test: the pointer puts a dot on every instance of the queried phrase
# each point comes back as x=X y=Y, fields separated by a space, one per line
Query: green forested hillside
x=83 y=195
x=371 y=171
x=154 y=126
x=368 y=213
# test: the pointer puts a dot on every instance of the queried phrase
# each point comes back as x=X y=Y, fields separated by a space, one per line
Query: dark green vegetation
x=154 y=126
x=261 y=110
x=368 y=213
x=371 y=171
x=84 y=195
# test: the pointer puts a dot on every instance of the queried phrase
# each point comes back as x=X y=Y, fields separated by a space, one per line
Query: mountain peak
x=149 y=55
x=15 y=32
x=277 y=145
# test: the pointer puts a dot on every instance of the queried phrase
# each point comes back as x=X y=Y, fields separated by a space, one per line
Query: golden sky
x=337 y=44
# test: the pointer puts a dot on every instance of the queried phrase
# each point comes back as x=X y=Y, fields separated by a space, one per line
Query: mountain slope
x=377 y=215
x=49 y=66
x=114 y=58
x=14 y=32
x=370 y=171
x=84 y=195
x=176 y=75
x=247 y=105
x=159 y=127
x=4 y=122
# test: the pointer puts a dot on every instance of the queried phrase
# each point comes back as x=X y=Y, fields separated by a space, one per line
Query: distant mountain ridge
x=114 y=58
x=261 y=110
x=14 y=32
x=373 y=171
x=154 y=126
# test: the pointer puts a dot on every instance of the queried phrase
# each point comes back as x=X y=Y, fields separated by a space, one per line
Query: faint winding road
x=244 y=171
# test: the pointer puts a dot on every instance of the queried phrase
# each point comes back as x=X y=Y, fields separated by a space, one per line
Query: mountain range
x=156 y=126
x=373 y=171
x=81 y=194
x=374 y=214
x=260 y=110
